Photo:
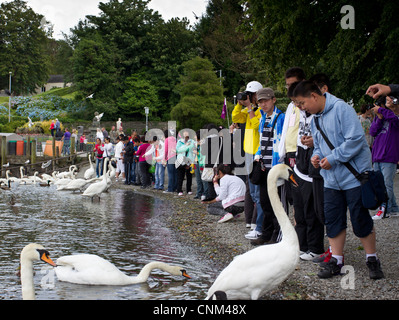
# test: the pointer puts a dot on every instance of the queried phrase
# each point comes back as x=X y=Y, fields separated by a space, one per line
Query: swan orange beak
x=44 y=256
x=184 y=274
x=292 y=179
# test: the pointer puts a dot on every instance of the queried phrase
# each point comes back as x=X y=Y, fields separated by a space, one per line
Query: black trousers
x=309 y=229
x=144 y=174
x=270 y=226
x=181 y=172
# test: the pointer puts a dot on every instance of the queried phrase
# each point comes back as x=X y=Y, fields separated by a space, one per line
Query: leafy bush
x=44 y=107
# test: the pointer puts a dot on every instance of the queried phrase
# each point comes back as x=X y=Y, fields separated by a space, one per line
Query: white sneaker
x=253 y=235
x=253 y=226
x=380 y=214
x=203 y=198
x=189 y=192
x=309 y=256
x=394 y=214
x=226 y=217
x=180 y=193
x=248 y=225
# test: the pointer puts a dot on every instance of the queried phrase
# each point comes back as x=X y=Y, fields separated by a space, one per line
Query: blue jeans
x=132 y=173
x=255 y=192
x=159 y=176
x=388 y=171
x=202 y=187
x=67 y=147
x=99 y=166
x=172 y=177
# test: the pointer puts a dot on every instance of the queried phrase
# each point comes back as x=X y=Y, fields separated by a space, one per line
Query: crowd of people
x=263 y=136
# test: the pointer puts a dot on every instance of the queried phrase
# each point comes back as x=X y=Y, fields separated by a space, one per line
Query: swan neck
x=27 y=283
x=289 y=233
x=146 y=271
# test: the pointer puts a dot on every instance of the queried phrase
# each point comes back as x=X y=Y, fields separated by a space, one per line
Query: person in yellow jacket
x=247 y=111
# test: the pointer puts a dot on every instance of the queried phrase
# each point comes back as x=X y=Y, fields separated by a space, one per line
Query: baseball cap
x=253 y=86
x=265 y=93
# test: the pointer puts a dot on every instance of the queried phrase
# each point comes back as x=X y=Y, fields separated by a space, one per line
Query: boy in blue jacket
x=341 y=188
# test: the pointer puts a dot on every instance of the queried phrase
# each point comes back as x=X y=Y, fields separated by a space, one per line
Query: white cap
x=253 y=86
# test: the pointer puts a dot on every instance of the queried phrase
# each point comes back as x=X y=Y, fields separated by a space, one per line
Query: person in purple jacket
x=385 y=130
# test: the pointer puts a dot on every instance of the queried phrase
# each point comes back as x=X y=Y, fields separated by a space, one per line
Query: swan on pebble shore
x=256 y=272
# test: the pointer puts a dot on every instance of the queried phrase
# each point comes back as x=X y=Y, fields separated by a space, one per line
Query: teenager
x=270 y=129
x=342 y=190
x=385 y=130
x=309 y=228
x=99 y=150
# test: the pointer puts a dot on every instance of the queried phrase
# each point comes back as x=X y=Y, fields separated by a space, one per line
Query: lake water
x=124 y=227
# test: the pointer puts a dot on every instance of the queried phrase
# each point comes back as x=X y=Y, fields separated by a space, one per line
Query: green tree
x=134 y=40
x=139 y=93
x=357 y=58
x=95 y=74
x=201 y=95
x=172 y=44
x=23 y=47
x=60 y=54
x=308 y=34
x=224 y=44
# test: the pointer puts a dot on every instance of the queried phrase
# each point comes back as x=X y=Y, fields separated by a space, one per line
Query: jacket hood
x=330 y=102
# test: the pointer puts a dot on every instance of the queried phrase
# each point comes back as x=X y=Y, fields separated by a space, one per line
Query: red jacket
x=100 y=152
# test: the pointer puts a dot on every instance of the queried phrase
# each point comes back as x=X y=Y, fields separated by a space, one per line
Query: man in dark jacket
x=128 y=156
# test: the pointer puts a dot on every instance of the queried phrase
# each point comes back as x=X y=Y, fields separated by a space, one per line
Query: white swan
x=79 y=184
x=68 y=174
x=255 y=272
x=90 y=173
x=35 y=178
x=12 y=179
x=62 y=183
x=32 y=252
x=93 y=270
x=96 y=189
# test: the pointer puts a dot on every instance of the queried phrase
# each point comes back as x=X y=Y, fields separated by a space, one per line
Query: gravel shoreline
x=218 y=244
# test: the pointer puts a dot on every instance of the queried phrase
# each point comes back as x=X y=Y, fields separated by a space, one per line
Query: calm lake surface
x=124 y=228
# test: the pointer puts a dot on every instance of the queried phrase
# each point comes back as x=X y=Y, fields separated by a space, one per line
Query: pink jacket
x=170 y=147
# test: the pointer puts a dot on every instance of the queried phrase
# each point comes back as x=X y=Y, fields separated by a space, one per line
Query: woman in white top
x=108 y=148
x=230 y=191
x=120 y=167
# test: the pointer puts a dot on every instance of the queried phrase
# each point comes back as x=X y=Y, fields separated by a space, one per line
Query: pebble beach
x=219 y=243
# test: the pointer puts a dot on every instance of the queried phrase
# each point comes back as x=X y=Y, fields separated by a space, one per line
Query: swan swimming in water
x=32 y=252
x=93 y=270
x=256 y=272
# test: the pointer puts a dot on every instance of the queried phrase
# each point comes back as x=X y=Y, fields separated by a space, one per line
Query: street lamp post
x=147 y=112
x=9 y=102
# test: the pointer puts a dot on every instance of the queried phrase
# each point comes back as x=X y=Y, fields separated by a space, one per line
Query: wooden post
x=73 y=144
x=28 y=147
x=33 y=152
x=57 y=153
x=54 y=157
x=3 y=153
